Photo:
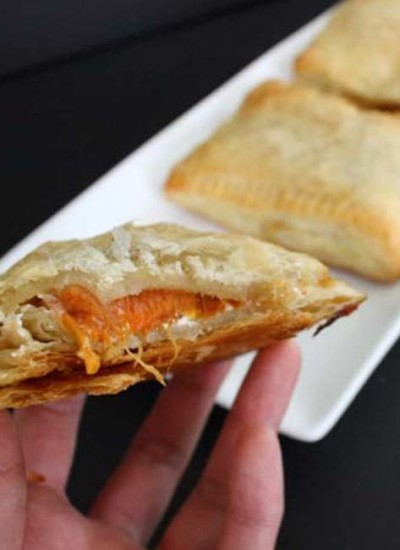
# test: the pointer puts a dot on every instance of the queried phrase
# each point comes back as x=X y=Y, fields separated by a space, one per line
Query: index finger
x=48 y=435
x=255 y=500
x=262 y=399
x=139 y=491
x=12 y=485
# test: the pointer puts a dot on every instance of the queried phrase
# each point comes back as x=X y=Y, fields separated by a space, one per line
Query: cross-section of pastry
x=307 y=170
x=358 y=54
x=101 y=314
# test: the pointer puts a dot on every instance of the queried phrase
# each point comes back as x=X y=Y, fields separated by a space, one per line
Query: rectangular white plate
x=339 y=361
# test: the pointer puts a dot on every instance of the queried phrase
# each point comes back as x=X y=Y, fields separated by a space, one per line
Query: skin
x=237 y=503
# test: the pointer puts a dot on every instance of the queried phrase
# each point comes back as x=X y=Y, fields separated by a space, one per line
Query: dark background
x=83 y=84
x=37 y=31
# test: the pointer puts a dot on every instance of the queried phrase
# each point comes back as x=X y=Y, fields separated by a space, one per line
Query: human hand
x=237 y=503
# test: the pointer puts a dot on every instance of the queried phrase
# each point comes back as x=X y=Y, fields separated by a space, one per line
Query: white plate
x=339 y=361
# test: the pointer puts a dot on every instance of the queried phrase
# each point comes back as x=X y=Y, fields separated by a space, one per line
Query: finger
x=48 y=435
x=53 y=524
x=255 y=500
x=12 y=485
x=138 y=493
x=263 y=398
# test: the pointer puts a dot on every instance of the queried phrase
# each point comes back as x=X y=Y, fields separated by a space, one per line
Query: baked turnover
x=358 y=54
x=100 y=314
x=307 y=170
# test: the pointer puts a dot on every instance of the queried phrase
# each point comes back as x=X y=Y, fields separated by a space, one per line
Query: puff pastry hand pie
x=101 y=314
x=358 y=54
x=307 y=170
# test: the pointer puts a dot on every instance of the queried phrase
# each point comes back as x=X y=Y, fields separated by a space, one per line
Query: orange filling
x=90 y=321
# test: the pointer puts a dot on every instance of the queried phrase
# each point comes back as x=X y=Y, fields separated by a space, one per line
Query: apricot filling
x=92 y=323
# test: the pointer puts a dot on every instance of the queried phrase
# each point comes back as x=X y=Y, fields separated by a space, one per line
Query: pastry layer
x=101 y=314
x=304 y=169
x=358 y=54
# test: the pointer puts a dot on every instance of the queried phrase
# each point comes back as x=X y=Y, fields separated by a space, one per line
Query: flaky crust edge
x=301 y=294
x=370 y=229
x=70 y=378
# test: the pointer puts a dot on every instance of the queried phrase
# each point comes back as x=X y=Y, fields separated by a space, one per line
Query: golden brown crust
x=280 y=293
x=306 y=170
x=56 y=386
x=133 y=258
x=358 y=54
x=70 y=379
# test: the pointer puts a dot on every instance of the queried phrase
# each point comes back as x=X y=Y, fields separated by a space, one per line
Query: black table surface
x=65 y=124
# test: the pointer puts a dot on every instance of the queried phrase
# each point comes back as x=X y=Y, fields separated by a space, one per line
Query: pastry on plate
x=358 y=54
x=305 y=169
x=100 y=314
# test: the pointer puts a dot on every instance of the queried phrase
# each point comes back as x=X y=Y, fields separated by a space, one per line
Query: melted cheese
x=85 y=351
x=93 y=324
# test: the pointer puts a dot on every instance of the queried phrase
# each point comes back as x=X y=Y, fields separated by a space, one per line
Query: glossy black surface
x=61 y=128
x=37 y=32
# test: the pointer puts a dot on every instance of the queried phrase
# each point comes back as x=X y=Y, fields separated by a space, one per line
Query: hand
x=238 y=502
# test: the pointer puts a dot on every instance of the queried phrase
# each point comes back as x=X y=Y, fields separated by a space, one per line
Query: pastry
x=101 y=314
x=358 y=54
x=307 y=170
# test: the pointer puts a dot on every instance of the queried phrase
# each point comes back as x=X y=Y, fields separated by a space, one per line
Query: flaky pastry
x=358 y=54
x=101 y=314
x=305 y=169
